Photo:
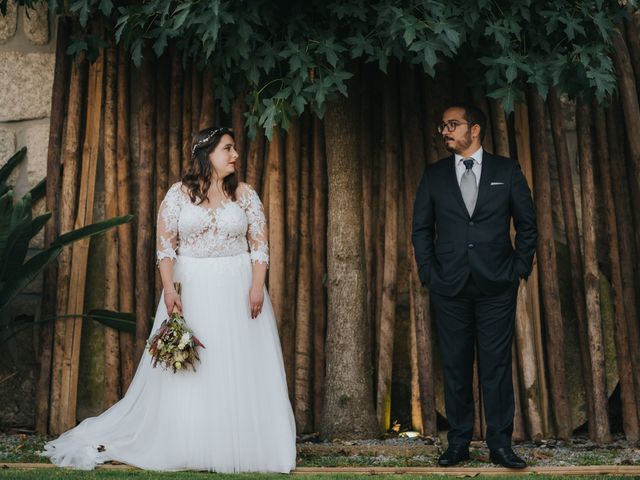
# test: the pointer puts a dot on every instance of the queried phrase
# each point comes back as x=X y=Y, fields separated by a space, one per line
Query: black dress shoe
x=454 y=455
x=507 y=458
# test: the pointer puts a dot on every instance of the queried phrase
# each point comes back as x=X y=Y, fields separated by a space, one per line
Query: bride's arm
x=166 y=245
x=258 y=239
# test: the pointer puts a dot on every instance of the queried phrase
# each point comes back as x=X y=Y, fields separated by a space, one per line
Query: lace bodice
x=197 y=231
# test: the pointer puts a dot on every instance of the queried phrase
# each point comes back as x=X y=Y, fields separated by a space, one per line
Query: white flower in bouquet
x=174 y=345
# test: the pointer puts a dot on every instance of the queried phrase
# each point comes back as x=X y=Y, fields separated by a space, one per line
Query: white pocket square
x=497 y=183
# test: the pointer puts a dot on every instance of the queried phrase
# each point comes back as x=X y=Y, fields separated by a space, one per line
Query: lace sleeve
x=167 y=229
x=257 y=233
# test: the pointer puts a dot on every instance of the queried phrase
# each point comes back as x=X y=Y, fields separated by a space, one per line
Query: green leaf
x=12 y=163
x=90 y=230
x=122 y=321
x=508 y=95
x=511 y=72
x=6 y=213
x=161 y=43
x=25 y=274
x=16 y=247
x=39 y=190
x=298 y=102
x=180 y=16
x=409 y=35
x=136 y=52
x=105 y=7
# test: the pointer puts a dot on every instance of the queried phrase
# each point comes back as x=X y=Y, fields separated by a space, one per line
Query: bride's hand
x=171 y=299
x=256 y=298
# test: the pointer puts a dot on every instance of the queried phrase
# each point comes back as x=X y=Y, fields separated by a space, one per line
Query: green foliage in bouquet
x=17 y=229
x=174 y=346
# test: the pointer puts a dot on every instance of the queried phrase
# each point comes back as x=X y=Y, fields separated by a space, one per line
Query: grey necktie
x=469 y=186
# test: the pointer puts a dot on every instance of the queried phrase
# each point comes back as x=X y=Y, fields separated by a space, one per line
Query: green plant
x=288 y=56
x=17 y=229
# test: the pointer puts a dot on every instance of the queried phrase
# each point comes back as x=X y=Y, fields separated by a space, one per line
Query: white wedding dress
x=231 y=415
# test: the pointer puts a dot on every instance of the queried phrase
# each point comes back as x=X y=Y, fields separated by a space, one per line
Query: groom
x=461 y=237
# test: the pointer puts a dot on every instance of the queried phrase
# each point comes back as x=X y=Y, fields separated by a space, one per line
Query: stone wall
x=27 y=58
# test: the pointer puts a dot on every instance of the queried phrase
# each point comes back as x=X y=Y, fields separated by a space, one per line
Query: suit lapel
x=485 y=179
x=455 y=186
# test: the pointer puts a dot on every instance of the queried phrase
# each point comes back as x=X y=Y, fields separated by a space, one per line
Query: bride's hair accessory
x=205 y=140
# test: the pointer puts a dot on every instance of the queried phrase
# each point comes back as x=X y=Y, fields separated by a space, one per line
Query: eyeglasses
x=451 y=126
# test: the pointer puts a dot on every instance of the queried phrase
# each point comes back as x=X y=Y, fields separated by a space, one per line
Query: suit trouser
x=462 y=320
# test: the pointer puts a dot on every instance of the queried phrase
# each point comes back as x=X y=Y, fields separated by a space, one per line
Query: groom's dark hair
x=474 y=116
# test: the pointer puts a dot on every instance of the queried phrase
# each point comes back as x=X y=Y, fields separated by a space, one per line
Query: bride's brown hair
x=198 y=176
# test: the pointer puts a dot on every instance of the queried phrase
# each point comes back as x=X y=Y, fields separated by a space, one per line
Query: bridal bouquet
x=174 y=345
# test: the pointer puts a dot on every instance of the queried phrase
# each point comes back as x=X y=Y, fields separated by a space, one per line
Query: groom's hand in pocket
x=171 y=299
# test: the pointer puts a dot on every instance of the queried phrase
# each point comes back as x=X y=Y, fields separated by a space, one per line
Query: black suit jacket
x=450 y=245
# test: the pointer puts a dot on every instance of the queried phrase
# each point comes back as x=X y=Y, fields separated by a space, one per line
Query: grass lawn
x=134 y=475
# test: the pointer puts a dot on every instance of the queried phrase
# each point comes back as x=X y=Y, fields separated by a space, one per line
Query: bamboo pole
x=186 y=118
x=526 y=356
x=265 y=186
x=631 y=109
x=519 y=433
x=548 y=268
x=478 y=421
x=292 y=193
x=523 y=319
x=52 y=228
x=630 y=424
x=601 y=431
x=379 y=245
x=573 y=242
x=163 y=77
x=377 y=222
x=414 y=163
x=500 y=128
x=196 y=98
x=304 y=329
x=125 y=235
x=625 y=237
x=71 y=166
x=390 y=270
x=111 y=338
x=175 y=116
x=145 y=245
x=436 y=97
x=255 y=161
x=483 y=104
x=208 y=108
x=276 y=202
x=80 y=249
x=377 y=225
x=238 y=108
x=368 y=166
x=632 y=29
x=318 y=265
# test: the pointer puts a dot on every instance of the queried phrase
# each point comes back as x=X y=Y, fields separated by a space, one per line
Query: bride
x=233 y=414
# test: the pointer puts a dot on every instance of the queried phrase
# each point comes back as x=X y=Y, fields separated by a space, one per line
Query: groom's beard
x=459 y=145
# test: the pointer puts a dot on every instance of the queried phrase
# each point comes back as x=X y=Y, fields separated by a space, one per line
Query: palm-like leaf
x=123 y=321
x=90 y=230
x=6 y=207
x=26 y=273
x=12 y=163
x=18 y=243
x=39 y=190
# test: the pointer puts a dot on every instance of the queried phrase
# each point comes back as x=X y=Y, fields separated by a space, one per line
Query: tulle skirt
x=231 y=415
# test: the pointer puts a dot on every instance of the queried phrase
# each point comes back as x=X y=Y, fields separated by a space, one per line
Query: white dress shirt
x=477 y=165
